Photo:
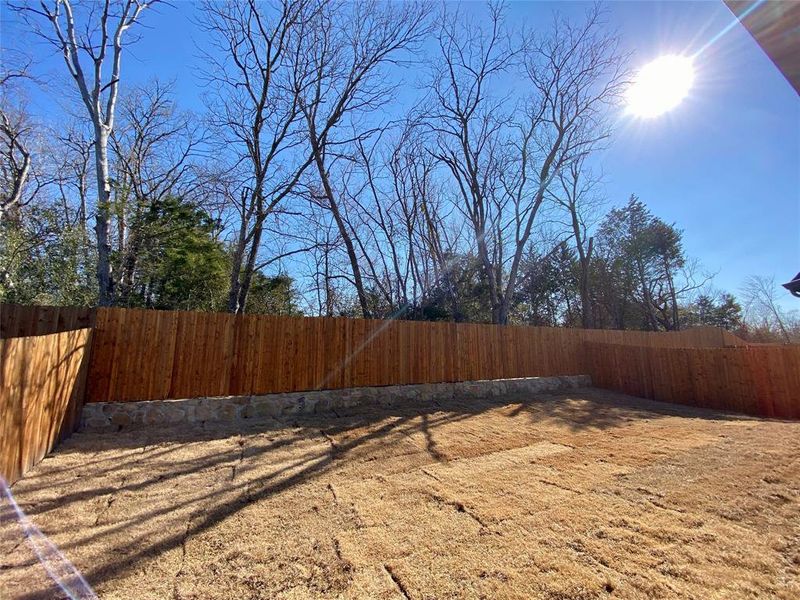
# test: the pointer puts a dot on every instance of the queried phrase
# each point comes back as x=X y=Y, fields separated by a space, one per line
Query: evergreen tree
x=183 y=265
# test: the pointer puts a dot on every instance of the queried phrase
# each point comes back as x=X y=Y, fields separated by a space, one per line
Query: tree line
x=353 y=158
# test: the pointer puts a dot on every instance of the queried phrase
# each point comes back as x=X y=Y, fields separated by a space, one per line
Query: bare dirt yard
x=586 y=495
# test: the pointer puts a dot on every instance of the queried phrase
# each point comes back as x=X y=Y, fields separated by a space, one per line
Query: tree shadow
x=347 y=432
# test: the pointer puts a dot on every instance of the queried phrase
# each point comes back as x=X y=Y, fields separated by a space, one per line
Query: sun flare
x=660 y=86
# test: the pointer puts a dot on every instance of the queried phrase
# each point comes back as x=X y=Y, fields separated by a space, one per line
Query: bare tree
x=16 y=66
x=74 y=170
x=91 y=36
x=322 y=264
x=255 y=111
x=154 y=148
x=681 y=280
x=577 y=73
x=395 y=214
x=505 y=165
x=577 y=195
x=339 y=65
x=15 y=161
x=15 y=131
x=73 y=177
x=763 y=309
x=155 y=144
x=417 y=208
x=469 y=123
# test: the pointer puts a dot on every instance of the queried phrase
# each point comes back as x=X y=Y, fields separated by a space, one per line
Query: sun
x=660 y=86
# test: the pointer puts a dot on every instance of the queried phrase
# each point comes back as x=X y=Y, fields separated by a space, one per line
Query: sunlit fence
x=755 y=380
x=155 y=355
x=42 y=381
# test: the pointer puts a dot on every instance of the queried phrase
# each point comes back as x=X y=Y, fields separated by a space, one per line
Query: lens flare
x=660 y=86
x=58 y=566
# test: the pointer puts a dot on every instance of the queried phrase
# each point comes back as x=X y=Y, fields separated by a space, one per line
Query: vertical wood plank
x=41 y=378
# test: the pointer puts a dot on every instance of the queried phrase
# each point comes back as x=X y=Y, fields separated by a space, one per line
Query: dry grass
x=583 y=496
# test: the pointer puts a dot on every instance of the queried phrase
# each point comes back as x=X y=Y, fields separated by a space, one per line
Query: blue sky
x=724 y=165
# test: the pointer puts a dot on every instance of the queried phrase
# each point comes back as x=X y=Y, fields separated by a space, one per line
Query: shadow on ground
x=139 y=495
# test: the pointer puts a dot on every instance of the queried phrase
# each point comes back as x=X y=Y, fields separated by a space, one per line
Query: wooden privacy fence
x=19 y=320
x=42 y=381
x=154 y=355
x=756 y=380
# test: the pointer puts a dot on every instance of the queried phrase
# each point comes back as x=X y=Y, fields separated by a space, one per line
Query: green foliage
x=272 y=296
x=180 y=263
x=548 y=294
x=636 y=269
x=461 y=295
x=45 y=260
x=725 y=312
x=172 y=258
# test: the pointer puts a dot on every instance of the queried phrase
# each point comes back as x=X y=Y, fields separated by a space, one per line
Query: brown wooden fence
x=151 y=355
x=42 y=379
x=18 y=320
x=756 y=380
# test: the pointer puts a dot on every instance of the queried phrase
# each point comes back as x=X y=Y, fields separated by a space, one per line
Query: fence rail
x=42 y=380
x=756 y=380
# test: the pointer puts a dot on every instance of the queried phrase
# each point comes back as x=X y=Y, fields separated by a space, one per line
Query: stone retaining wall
x=114 y=416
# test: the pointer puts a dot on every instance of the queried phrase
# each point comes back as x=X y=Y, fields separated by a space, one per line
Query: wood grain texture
x=42 y=379
x=18 y=320
x=156 y=355
x=757 y=380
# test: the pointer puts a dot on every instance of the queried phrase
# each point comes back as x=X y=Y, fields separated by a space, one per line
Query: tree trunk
x=587 y=314
x=488 y=269
x=584 y=256
x=102 y=225
x=648 y=300
x=236 y=269
x=501 y=317
x=587 y=309
x=244 y=288
x=673 y=297
x=348 y=242
x=129 y=267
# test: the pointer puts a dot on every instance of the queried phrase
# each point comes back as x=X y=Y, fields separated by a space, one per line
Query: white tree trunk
x=102 y=225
